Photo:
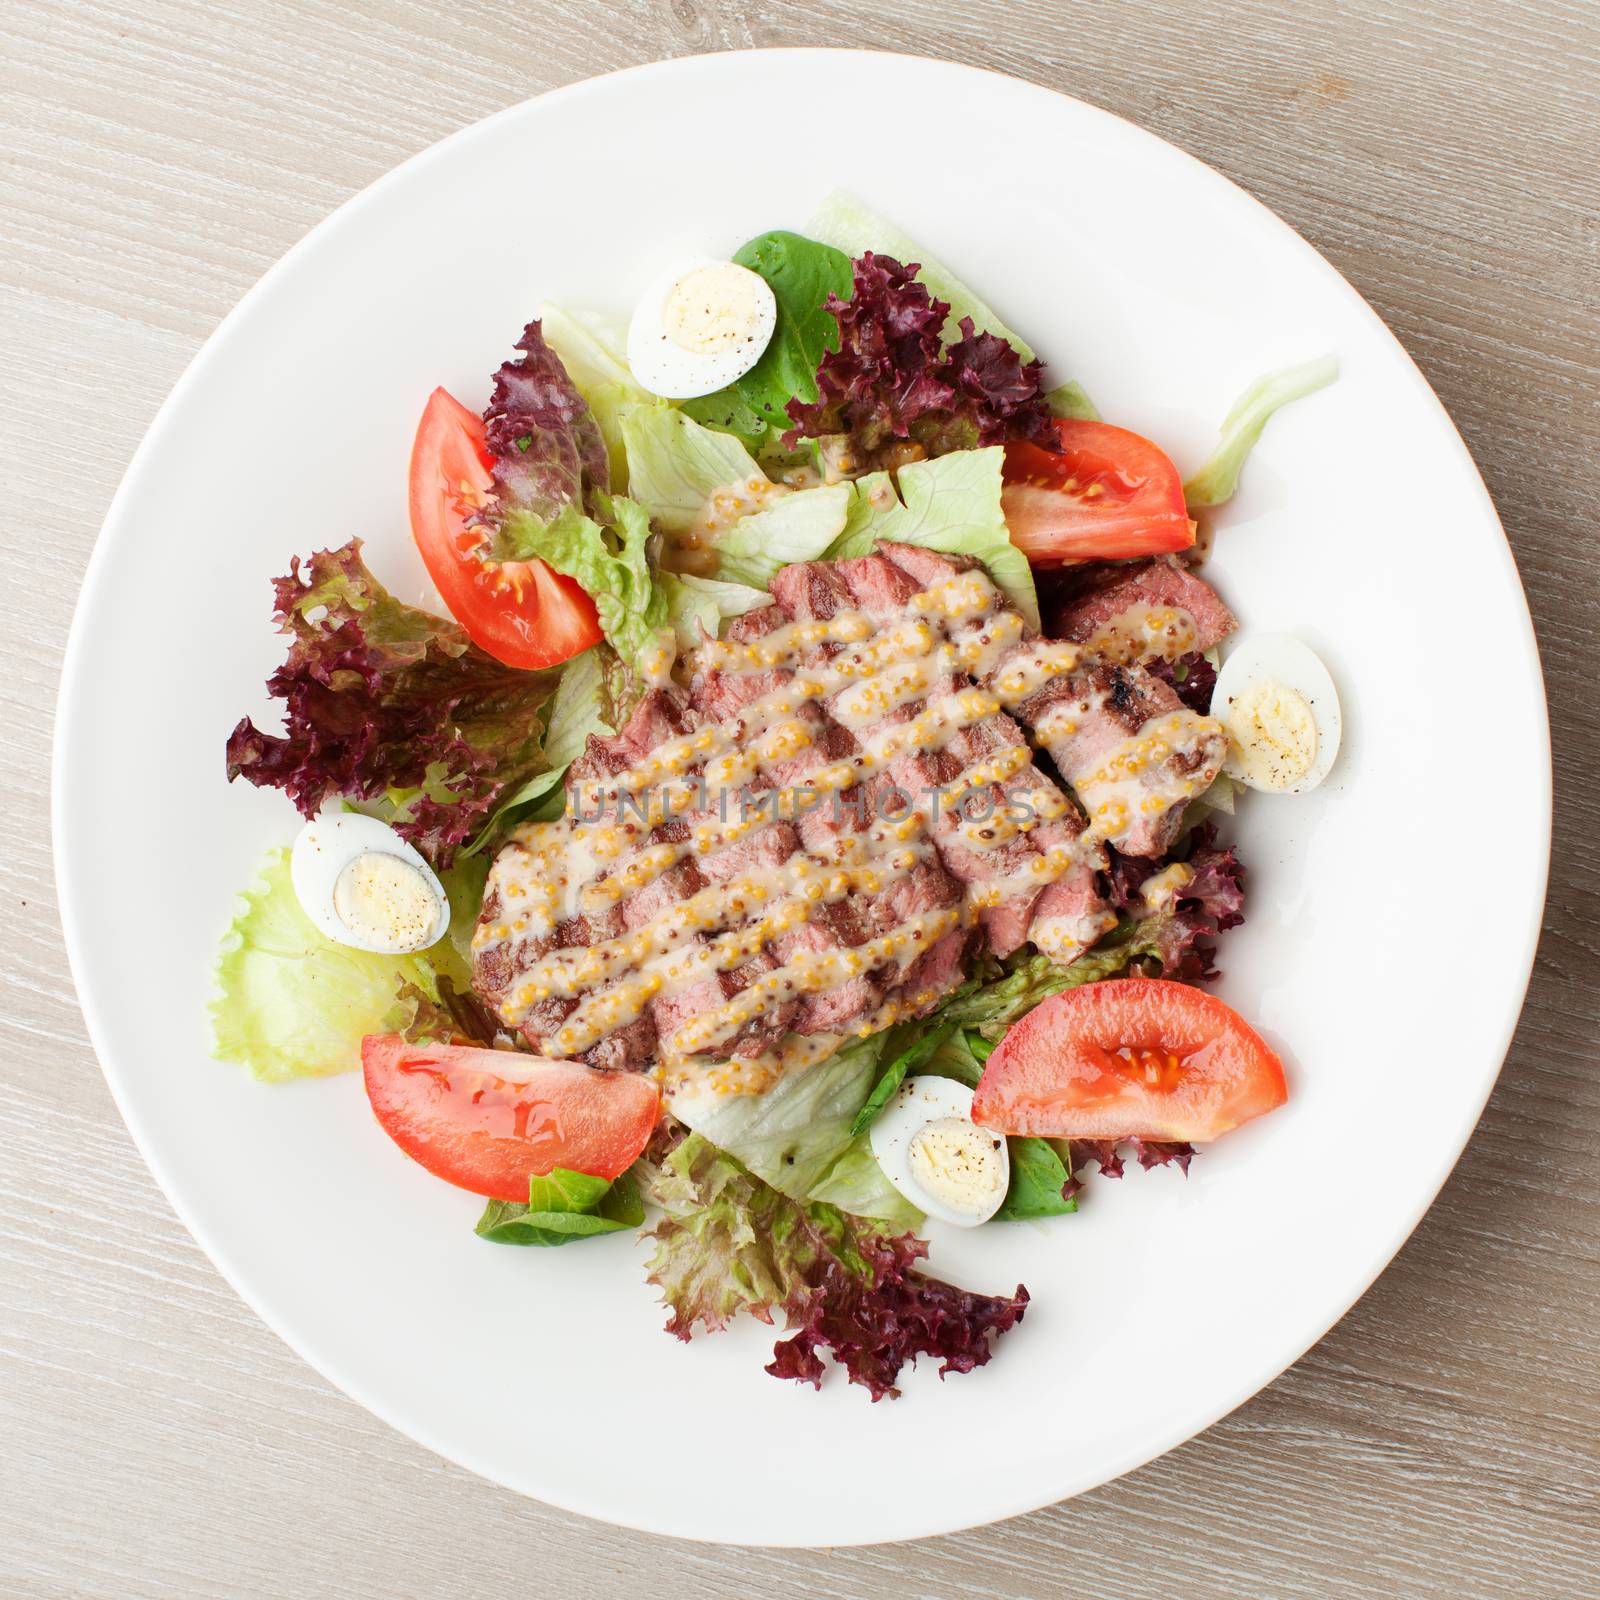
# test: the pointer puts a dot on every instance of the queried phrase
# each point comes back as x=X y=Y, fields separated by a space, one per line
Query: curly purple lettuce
x=1149 y=1153
x=730 y=1243
x=547 y=447
x=1192 y=678
x=383 y=701
x=893 y=390
x=1179 y=933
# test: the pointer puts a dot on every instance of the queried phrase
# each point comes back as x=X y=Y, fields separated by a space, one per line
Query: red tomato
x=1130 y=1056
x=488 y=1120
x=1106 y=494
x=521 y=612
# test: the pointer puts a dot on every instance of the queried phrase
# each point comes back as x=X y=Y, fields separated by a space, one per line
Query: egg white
x=665 y=367
x=325 y=846
x=1279 y=659
x=918 y=1102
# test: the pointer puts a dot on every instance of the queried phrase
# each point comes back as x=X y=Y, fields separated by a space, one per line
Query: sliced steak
x=1132 y=753
x=1143 y=608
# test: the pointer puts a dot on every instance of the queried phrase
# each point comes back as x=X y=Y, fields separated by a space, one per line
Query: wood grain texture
x=158 y=1440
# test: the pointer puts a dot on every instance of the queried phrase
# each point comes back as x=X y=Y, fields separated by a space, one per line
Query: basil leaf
x=895 y=1074
x=802 y=274
x=1038 y=1176
x=563 y=1206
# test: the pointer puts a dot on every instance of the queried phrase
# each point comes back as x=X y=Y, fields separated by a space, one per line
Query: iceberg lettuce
x=795 y=527
x=593 y=352
x=798 y=1135
x=1217 y=480
x=291 y=1003
x=675 y=465
x=951 y=504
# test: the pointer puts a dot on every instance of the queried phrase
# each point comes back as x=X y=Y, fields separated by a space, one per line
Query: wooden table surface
x=1442 y=1440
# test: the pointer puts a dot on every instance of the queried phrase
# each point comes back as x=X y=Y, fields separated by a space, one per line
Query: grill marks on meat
x=1142 y=609
x=808 y=839
x=1130 y=750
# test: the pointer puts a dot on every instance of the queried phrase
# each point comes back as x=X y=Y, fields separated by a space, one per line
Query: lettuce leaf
x=292 y=1003
x=589 y=699
x=950 y=504
x=697 y=606
x=794 y=527
x=731 y=1243
x=611 y=563
x=894 y=391
x=594 y=354
x=802 y=275
x=911 y=1059
x=1039 y=1180
x=1217 y=480
x=547 y=446
x=843 y=221
x=675 y=466
x=563 y=1206
x=799 y=1136
x=387 y=703
x=1070 y=400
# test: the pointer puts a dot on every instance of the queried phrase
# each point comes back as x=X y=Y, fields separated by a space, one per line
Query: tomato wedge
x=1127 y=1057
x=521 y=612
x=1105 y=494
x=488 y=1120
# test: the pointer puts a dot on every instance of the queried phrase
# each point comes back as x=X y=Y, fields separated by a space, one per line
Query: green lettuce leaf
x=1070 y=400
x=802 y=274
x=1217 y=480
x=909 y=1060
x=594 y=354
x=1038 y=1175
x=950 y=504
x=611 y=565
x=799 y=1135
x=563 y=1206
x=697 y=606
x=794 y=527
x=292 y=1003
x=675 y=466
x=992 y=1007
x=731 y=1243
x=844 y=222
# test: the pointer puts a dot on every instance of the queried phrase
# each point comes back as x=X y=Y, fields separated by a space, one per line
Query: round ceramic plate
x=1362 y=527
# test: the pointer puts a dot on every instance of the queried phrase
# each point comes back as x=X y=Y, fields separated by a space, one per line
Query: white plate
x=1392 y=916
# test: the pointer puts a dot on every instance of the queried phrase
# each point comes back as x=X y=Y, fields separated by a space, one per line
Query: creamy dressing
x=591 y=859
x=1141 y=631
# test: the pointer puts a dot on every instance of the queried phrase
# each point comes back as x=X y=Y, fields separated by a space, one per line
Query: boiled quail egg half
x=932 y=1151
x=1281 y=712
x=364 y=886
x=700 y=326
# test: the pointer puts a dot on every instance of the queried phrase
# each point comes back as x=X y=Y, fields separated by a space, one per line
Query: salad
x=802 y=829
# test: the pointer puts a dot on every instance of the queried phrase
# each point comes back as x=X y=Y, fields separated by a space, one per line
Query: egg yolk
x=384 y=901
x=1273 y=732
x=712 y=309
x=958 y=1163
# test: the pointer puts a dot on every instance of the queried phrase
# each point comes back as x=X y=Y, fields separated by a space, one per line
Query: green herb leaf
x=1038 y=1176
x=802 y=274
x=563 y=1206
x=895 y=1074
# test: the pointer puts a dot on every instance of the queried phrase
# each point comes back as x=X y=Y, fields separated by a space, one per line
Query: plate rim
x=75 y=683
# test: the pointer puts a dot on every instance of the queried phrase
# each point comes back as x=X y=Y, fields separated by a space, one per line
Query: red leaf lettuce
x=548 y=449
x=895 y=391
x=730 y=1243
x=385 y=702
